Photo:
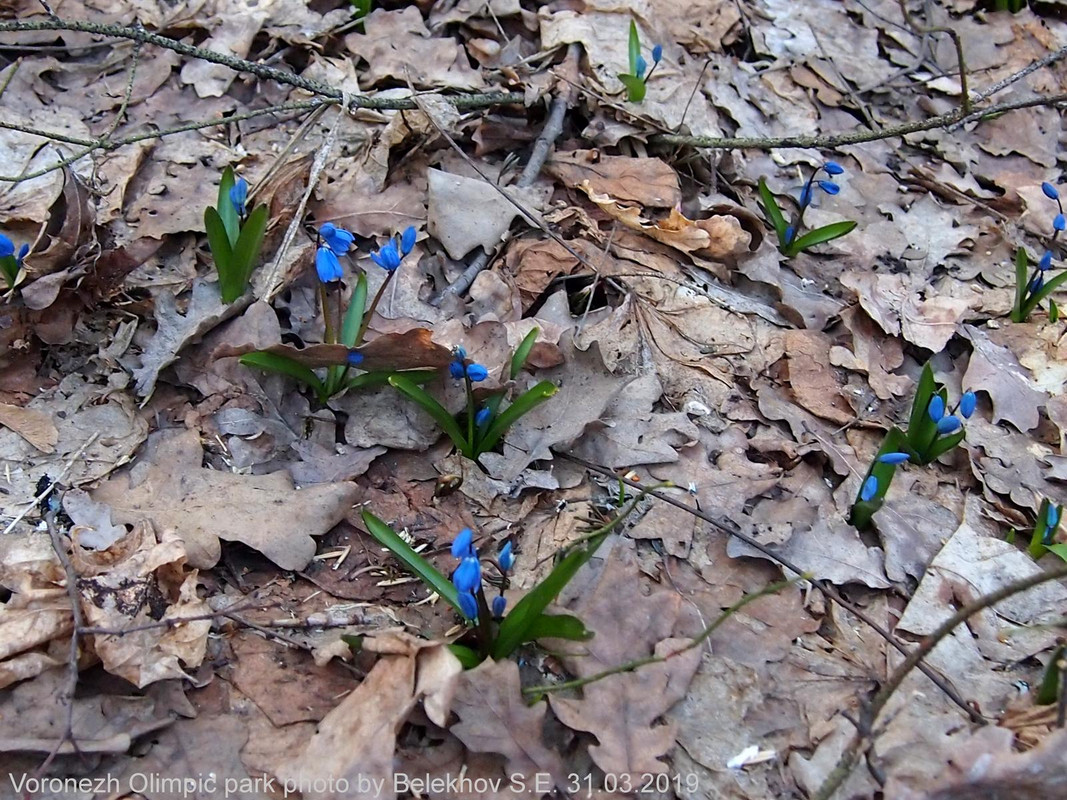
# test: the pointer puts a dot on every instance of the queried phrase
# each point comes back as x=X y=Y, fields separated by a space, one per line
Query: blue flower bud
x=463 y=545
x=641 y=67
x=829 y=187
x=388 y=258
x=499 y=604
x=407 y=240
x=354 y=358
x=1037 y=284
x=482 y=417
x=22 y=254
x=1059 y=222
x=468 y=575
x=337 y=239
x=657 y=53
x=893 y=458
x=1052 y=517
x=239 y=196
x=870 y=489
x=967 y=404
x=1046 y=261
x=456 y=370
x=476 y=372
x=469 y=605
x=7 y=247
x=805 y=196
x=506 y=559
x=1051 y=192
x=948 y=424
x=936 y=409
x=833 y=168
x=790 y=232
x=327 y=265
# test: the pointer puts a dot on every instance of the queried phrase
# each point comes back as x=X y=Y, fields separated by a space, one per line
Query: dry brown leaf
x=648 y=182
x=171 y=489
x=812 y=380
x=494 y=718
x=622 y=710
x=32 y=424
x=995 y=370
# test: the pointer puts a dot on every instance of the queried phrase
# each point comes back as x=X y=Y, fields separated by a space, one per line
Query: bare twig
x=915 y=659
x=824 y=586
x=965 y=96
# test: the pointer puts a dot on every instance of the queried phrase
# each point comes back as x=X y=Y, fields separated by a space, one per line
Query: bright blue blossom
x=354 y=358
x=805 y=196
x=657 y=53
x=641 y=67
x=7 y=247
x=482 y=417
x=469 y=605
x=499 y=604
x=506 y=559
x=1052 y=516
x=1059 y=222
x=1046 y=261
x=829 y=187
x=790 y=232
x=893 y=458
x=833 y=168
x=337 y=239
x=870 y=489
x=476 y=372
x=456 y=370
x=239 y=197
x=327 y=265
x=967 y=404
x=1036 y=284
x=407 y=240
x=463 y=546
x=936 y=409
x=468 y=575
x=948 y=424
x=388 y=257
x=1051 y=192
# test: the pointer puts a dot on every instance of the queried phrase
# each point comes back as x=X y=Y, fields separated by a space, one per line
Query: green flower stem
x=373 y=307
x=324 y=300
x=470 y=416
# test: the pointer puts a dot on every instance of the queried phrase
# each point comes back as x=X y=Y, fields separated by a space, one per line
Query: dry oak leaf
x=719 y=238
x=32 y=424
x=647 y=182
x=494 y=718
x=621 y=710
x=994 y=369
x=170 y=488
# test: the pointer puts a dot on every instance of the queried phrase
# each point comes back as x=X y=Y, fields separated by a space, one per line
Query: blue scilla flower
x=790 y=232
x=1052 y=517
x=1037 y=284
x=948 y=424
x=805 y=195
x=468 y=575
x=499 y=604
x=7 y=248
x=833 y=168
x=476 y=372
x=869 y=490
x=469 y=605
x=893 y=458
x=1059 y=222
x=641 y=66
x=936 y=409
x=239 y=197
x=463 y=545
x=483 y=415
x=388 y=257
x=407 y=240
x=506 y=559
x=1046 y=261
x=337 y=239
x=1051 y=192
x=829 y=187
x=327 y=265
x=657 y=53
x=967 y=404
x=456 y=370
x=354 y=358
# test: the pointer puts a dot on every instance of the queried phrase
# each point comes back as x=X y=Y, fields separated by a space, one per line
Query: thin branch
x=965 y=96
x=824 y=586
x=874 y=708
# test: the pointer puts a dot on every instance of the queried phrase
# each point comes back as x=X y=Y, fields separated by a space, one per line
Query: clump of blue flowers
x=467 y=578
x=1034 y=286
x=791 y=238
x=932 y=431
x=636 y=80
x=483 y=422
x=10 y=261
x=234 y=235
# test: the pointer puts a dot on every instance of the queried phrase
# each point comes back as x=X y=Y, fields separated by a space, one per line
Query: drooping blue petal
x=506 y=559
x=463 y=546
x=967 y=404
x=456 y=370
x=469 y=605
x=476 y=372
x=1046 y=261
x=388 y=258
x=893 y=458
x=407 y=240
x=337 y=239
x=642 y=67
x=833 y=168
x=468 y=575
x=870 y=489
x=327 y=265
x=829 y=187
x=936 y=409
x=499 y=604
x=482 y=417
x=239 y=196
x=1059 y=222
x=7 y=247
x=657 y=53
x=948 y=424
x=1051 y=192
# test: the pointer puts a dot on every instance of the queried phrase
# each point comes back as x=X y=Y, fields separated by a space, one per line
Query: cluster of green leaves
x=527 y=620
x=636 y=79
x=922 y=443
x=1048 y=521
x=235 y=243
x=471 y=437
x=1026 y=300
x=791 y=241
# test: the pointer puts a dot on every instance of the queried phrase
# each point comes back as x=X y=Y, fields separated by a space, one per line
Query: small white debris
x=750 y=755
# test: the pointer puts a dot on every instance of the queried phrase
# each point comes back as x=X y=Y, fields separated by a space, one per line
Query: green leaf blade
x=827 y=233
x=357 y=305
x=272 y=362
x=221 y=252
x=522 y=352
x=416 y=564
x=523 y=404
x=227 y=213
x=440 y=414
x=246 y=251
x=635 y=87
x=773 y=212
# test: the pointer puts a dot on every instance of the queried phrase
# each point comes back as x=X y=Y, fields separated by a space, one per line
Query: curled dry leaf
x=647 y=182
